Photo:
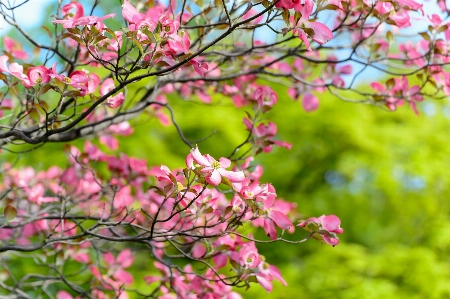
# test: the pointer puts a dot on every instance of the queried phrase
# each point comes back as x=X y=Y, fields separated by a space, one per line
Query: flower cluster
x=181 y=210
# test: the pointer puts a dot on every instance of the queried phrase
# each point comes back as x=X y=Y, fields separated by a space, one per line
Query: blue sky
x=28 y=16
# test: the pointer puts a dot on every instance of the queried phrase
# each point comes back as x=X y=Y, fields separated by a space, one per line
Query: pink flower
x=130 y=13
x=327 y=226
x=249 y=256
x=5 y=104
x=64 y=295
x=123 y=260
x=265 y=96
x=289 y=4
x=38 y=75
x=214 y=170
x=252 y=12
x=15 y=70
x=79 y=80
x=68 y=13
x=77 y=18
x=411 y=4
x=14 y=48
x=320 y=32
x=200 y=67
x=115 y=101
x=180 y=44
x=267 y=273
x=310 y=102
x=123 y=197
x=83 y=21
x=401 y=19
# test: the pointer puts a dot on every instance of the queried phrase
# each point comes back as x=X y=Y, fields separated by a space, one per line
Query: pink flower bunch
x=14 y=48
x=326 y=226
x=319 y=32
x=73 y=16
x=177 y=200
x=397 y=91
x=213 y=170
x=263 y=136
x=265 y=96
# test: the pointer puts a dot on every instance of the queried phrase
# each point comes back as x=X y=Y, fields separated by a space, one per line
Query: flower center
x=39 y=80
x=67 y=80
x=215 y=165
x=180 y=186
x=249 y=260
x=144 y=27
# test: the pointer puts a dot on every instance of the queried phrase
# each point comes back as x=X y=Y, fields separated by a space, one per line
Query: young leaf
x=10 y=213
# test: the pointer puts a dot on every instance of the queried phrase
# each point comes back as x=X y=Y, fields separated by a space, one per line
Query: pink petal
x=3 y=66
x=270 y=229
x=220 y=260
x=198 y=250
x=224 y=162
x=302 y=35
x=115 y=101
x=322 y=34
x=189 y=161
x=94 y=81
x=129 y=11
x=280 y=219
x=9 y=43
x=277 y=274
x=63 y=295
x=330 y=240
x=233 y=176
x=107 y=86
x=265 y=283
x=199 y=158
x=310 y=220
x=305 y=8
x=346 y=69
x=109 y=258
x=310 y=102
x=414 y=107
x=378 y=87
x=283 y=144
x=151 y=279
x=186 y=42
x=125 y=258
x=331 y=223
x=123 y=277
x=215 y=178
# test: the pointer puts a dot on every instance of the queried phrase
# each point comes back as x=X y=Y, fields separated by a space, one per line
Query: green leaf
x=425 y=36
x=235 y=265
x=150 y=35
x=226 y=181
x=10 y=213
x=34 y=114
x=442 y=28
x=389 y=36
x=285 y=14
x=48 y=31
x=252 y=279
x=138 y=44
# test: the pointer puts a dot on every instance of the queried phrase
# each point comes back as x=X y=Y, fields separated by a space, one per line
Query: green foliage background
x=386 y=175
